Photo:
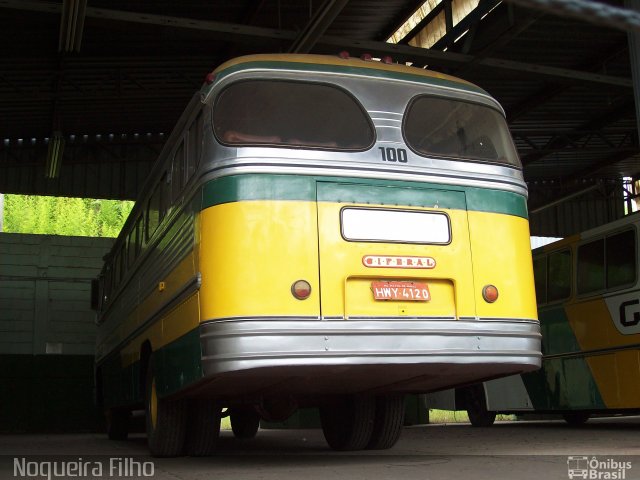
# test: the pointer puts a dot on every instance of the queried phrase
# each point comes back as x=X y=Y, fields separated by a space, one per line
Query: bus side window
x=132 y=242
x=177 y=178
x=139 y=228
x=153 y=212
x=559 y=275
x=118 y=272
x=621 y=259
x=591 y=272
x=540 y=277
x=157 y=205
x=123 y=262
x=107 y=284
x=165 y=194
x=194 y=146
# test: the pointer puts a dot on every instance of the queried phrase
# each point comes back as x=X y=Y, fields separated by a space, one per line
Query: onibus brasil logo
x=597 y=469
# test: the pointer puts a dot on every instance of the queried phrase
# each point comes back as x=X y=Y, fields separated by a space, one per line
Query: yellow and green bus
x=318 y=231
x=589 y=306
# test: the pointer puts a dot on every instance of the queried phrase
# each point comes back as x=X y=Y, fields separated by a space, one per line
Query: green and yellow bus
x=317 y=231
x=589 y=306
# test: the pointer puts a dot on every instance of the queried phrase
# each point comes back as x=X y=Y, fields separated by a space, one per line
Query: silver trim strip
x=265 y=318
x=237 y=346
x=403 y=318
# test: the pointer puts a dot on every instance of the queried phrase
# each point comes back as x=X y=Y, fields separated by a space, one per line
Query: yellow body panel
x=252 y=253
x=176 y=323
x=617 y=375
x=179 y=321
x=593 y=326
x=501 y=251
x=172 y=284
x=255 y=250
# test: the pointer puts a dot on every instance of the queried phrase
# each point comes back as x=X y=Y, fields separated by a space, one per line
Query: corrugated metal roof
x=140 y=61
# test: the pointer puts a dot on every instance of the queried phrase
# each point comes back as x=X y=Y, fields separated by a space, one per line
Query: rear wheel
x=117 y=423
x=166 y=420
x=203 y=428
x=244 y=423
x=576 y=419
x=388 y=422
x=476 y=404
x=348 y=424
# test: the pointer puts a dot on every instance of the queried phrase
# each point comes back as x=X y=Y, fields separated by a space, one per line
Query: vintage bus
x=317 y=231
x=589 y=306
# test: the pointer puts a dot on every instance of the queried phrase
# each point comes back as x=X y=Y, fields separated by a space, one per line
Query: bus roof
x=352 y=65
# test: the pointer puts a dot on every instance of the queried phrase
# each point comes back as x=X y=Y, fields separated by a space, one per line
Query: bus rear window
x=291 y=114
x=439 y=127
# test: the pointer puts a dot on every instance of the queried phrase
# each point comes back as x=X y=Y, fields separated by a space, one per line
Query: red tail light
x=301 y=289
x=490 y=293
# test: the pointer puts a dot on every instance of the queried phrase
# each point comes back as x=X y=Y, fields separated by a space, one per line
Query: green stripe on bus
x=553 y=387
x=237 y=188
x=557 y=332
x=563 y=383
x=178 y=363
x=344 y=69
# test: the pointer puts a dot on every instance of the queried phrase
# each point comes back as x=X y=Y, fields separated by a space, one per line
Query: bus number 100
x=393 y=154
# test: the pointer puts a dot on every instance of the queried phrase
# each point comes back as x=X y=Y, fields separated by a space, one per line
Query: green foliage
x=460 y=416
x=82 y=217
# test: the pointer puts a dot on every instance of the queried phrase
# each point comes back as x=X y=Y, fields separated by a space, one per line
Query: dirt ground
x=508 y=450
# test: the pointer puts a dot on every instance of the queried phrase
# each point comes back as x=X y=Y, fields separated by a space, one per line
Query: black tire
x=203 y=428
x=117 y=420
x=476 y=404
x=348 y=425
x=244 y=423
x=166 y=420
x=576 y=419
x=387 y=423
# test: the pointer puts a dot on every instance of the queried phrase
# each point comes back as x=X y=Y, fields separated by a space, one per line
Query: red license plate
x=402 y=291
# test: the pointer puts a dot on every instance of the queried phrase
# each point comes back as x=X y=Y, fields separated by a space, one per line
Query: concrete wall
x=47 y=331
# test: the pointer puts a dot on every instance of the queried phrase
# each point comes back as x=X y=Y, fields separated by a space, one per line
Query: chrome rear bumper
x=341 y=356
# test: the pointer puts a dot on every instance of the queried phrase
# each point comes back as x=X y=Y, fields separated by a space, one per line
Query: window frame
x=178 y=178
x=543 y=260
x=157 y=190
x=194 y=137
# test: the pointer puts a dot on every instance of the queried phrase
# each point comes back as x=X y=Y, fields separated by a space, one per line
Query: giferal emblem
x=394 y=261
